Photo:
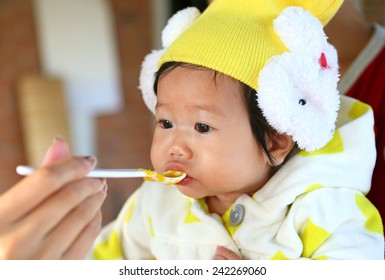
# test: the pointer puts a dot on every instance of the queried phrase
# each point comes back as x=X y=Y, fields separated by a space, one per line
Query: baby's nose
x=180 y=149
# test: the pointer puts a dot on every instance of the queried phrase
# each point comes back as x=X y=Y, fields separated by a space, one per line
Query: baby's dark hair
x=259 y=126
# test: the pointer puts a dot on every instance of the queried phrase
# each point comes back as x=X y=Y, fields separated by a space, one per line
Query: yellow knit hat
x=237 y=37
x=270 y=45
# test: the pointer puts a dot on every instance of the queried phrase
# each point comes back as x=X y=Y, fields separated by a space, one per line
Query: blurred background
x=70 y=68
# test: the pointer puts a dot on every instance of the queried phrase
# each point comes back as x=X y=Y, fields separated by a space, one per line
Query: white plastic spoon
x=170 y=177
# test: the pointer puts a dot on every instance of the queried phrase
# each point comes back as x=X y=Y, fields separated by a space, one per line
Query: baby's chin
x=190 y=192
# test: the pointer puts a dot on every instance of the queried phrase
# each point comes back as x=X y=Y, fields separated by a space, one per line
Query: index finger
x=59 y=150
x=42 y=183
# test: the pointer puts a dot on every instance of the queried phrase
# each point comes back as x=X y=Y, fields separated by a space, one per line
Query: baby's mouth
x=186 y=181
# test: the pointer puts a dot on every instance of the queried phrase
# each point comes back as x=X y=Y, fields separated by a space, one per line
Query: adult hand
x=54 y=213
x=223 y=253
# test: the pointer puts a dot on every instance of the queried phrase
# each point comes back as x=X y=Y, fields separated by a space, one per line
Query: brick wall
x=18 y=54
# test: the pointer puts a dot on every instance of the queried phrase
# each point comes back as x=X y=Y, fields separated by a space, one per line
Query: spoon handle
x=96 y=173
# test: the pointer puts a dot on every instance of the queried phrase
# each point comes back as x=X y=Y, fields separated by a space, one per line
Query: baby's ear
x=280 y=146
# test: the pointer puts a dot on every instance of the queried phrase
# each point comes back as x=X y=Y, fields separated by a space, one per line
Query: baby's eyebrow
x=214 y=110
x=160 y=105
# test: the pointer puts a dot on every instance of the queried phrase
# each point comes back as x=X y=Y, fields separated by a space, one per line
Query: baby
x=277 y=165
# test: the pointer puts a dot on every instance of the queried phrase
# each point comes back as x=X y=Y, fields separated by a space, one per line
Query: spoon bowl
x=169 y=177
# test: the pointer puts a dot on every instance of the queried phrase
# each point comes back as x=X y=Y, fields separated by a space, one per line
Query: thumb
x=58 y=150
x=223 y=253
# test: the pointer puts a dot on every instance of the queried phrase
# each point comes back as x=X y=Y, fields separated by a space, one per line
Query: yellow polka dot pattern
x=130 y=210
x=149 y=219
x=191 y=218
x=373 y=222
x=110 y=249
x=358 y=109
x=313 y=187
x=332 y=147
x=321 y=258
x=279 y=256
x=312 y=238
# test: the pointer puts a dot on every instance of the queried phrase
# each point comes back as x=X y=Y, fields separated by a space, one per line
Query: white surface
x=77 y=44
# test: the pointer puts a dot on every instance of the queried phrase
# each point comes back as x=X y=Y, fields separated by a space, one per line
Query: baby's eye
x=202 y=128
x=166 y=124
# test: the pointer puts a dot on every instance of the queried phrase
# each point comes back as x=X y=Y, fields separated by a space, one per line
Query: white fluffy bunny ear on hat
x=175 y=26
x=297 y=90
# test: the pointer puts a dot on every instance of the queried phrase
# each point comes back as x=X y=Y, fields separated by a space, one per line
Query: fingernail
x=58 y=138
x=219 y=249
x=90 y=161
x=103 y=186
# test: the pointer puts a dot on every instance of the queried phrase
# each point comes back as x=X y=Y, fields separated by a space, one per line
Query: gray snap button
x=237 y=214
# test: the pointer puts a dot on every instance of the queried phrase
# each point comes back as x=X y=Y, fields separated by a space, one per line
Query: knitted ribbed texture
x=237 y=38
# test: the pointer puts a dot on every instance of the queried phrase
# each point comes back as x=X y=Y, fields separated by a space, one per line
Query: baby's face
x=203 y=129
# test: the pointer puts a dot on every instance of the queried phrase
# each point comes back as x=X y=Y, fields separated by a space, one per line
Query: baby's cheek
x=155 y=155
